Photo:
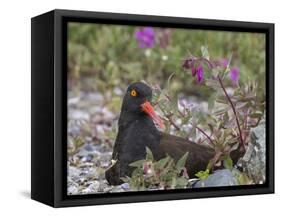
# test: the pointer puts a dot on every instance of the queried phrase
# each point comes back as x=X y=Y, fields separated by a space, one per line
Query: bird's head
x=137 y=102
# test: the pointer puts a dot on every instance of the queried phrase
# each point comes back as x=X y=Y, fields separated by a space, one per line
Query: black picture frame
x=49 y=107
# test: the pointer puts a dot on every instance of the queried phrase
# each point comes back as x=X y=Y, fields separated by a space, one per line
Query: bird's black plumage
x=136 y=131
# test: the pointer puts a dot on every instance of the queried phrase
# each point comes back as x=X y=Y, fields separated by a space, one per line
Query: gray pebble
x=218 y=178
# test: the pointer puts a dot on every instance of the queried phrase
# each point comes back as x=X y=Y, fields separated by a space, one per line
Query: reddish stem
x=168 y=97
x=246 y=120
x=209 y=138
x=234 y=111
x=177 y=128
x=210 y=64
x=172 y=122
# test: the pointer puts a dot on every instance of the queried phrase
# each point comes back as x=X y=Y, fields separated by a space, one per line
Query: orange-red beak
x=148 y=109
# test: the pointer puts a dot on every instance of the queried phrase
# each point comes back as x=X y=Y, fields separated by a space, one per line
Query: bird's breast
x=135 y=138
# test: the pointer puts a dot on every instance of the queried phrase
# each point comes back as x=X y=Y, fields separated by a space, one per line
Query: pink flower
x=145 y=37
x=200 y=74
x=234 y=75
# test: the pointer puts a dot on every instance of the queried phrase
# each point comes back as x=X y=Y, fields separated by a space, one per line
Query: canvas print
x=153 y=109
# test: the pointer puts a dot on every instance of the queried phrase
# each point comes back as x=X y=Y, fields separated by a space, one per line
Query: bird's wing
x=198 y=155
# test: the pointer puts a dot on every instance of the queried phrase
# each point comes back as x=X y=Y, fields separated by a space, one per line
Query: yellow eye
x=133 y=93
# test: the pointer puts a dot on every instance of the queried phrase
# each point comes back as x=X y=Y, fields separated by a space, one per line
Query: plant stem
x=210 y=65
x=246 y=120
x=234 y=111
x=172 y=122
x=178 y=129
x=168 y=97
x=209 y=138
x=214 y=160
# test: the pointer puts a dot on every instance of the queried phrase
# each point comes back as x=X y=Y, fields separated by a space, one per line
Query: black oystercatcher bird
x=137 y=131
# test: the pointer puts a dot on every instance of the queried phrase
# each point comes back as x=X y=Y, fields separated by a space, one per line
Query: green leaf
x=125 y=179
x=241 y=105
x=162 y=162
x=137 y=173
x=192 y=132
x=228 y=163
x=212 y=101
x=225 y=119
x=210 y=165
x=202 y=175
x=212 y=83
x=169 y=80
x=222 y=101
x=229 y=62
x=181 y=182
x=149 y=155
x=168 y=167
x=243 y=179
x=227 y=69
x=220 y=111
x=181 y=162
x=211 y=128
x=256 y=115
x=205 y=52
x=138 y=163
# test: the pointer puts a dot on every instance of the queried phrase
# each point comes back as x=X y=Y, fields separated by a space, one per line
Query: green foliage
x=161 y=174
x=181 y=162
x=227 y=162
x=202 y=175
x=227 y=123
x=243 y=179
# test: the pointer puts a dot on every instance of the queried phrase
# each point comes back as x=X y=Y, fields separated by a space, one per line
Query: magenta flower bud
x=188 y=63
x=234 y=75
x=193 y=71
x=200 y=73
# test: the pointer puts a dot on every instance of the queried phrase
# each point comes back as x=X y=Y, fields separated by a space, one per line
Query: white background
x=15 y=106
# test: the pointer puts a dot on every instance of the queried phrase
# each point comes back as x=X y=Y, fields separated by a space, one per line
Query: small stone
x=73 y=101
x=218 y=178
x=94 y=186
x=95 y=98
x=117 y=189
x=92 y=174
x=86 y=191
x=118 y=91
x=125 y=186
x=78 y=115
x=72 y=190
x=89 y=147
x=254 y=162
x=87 y=158
x=73 y=173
